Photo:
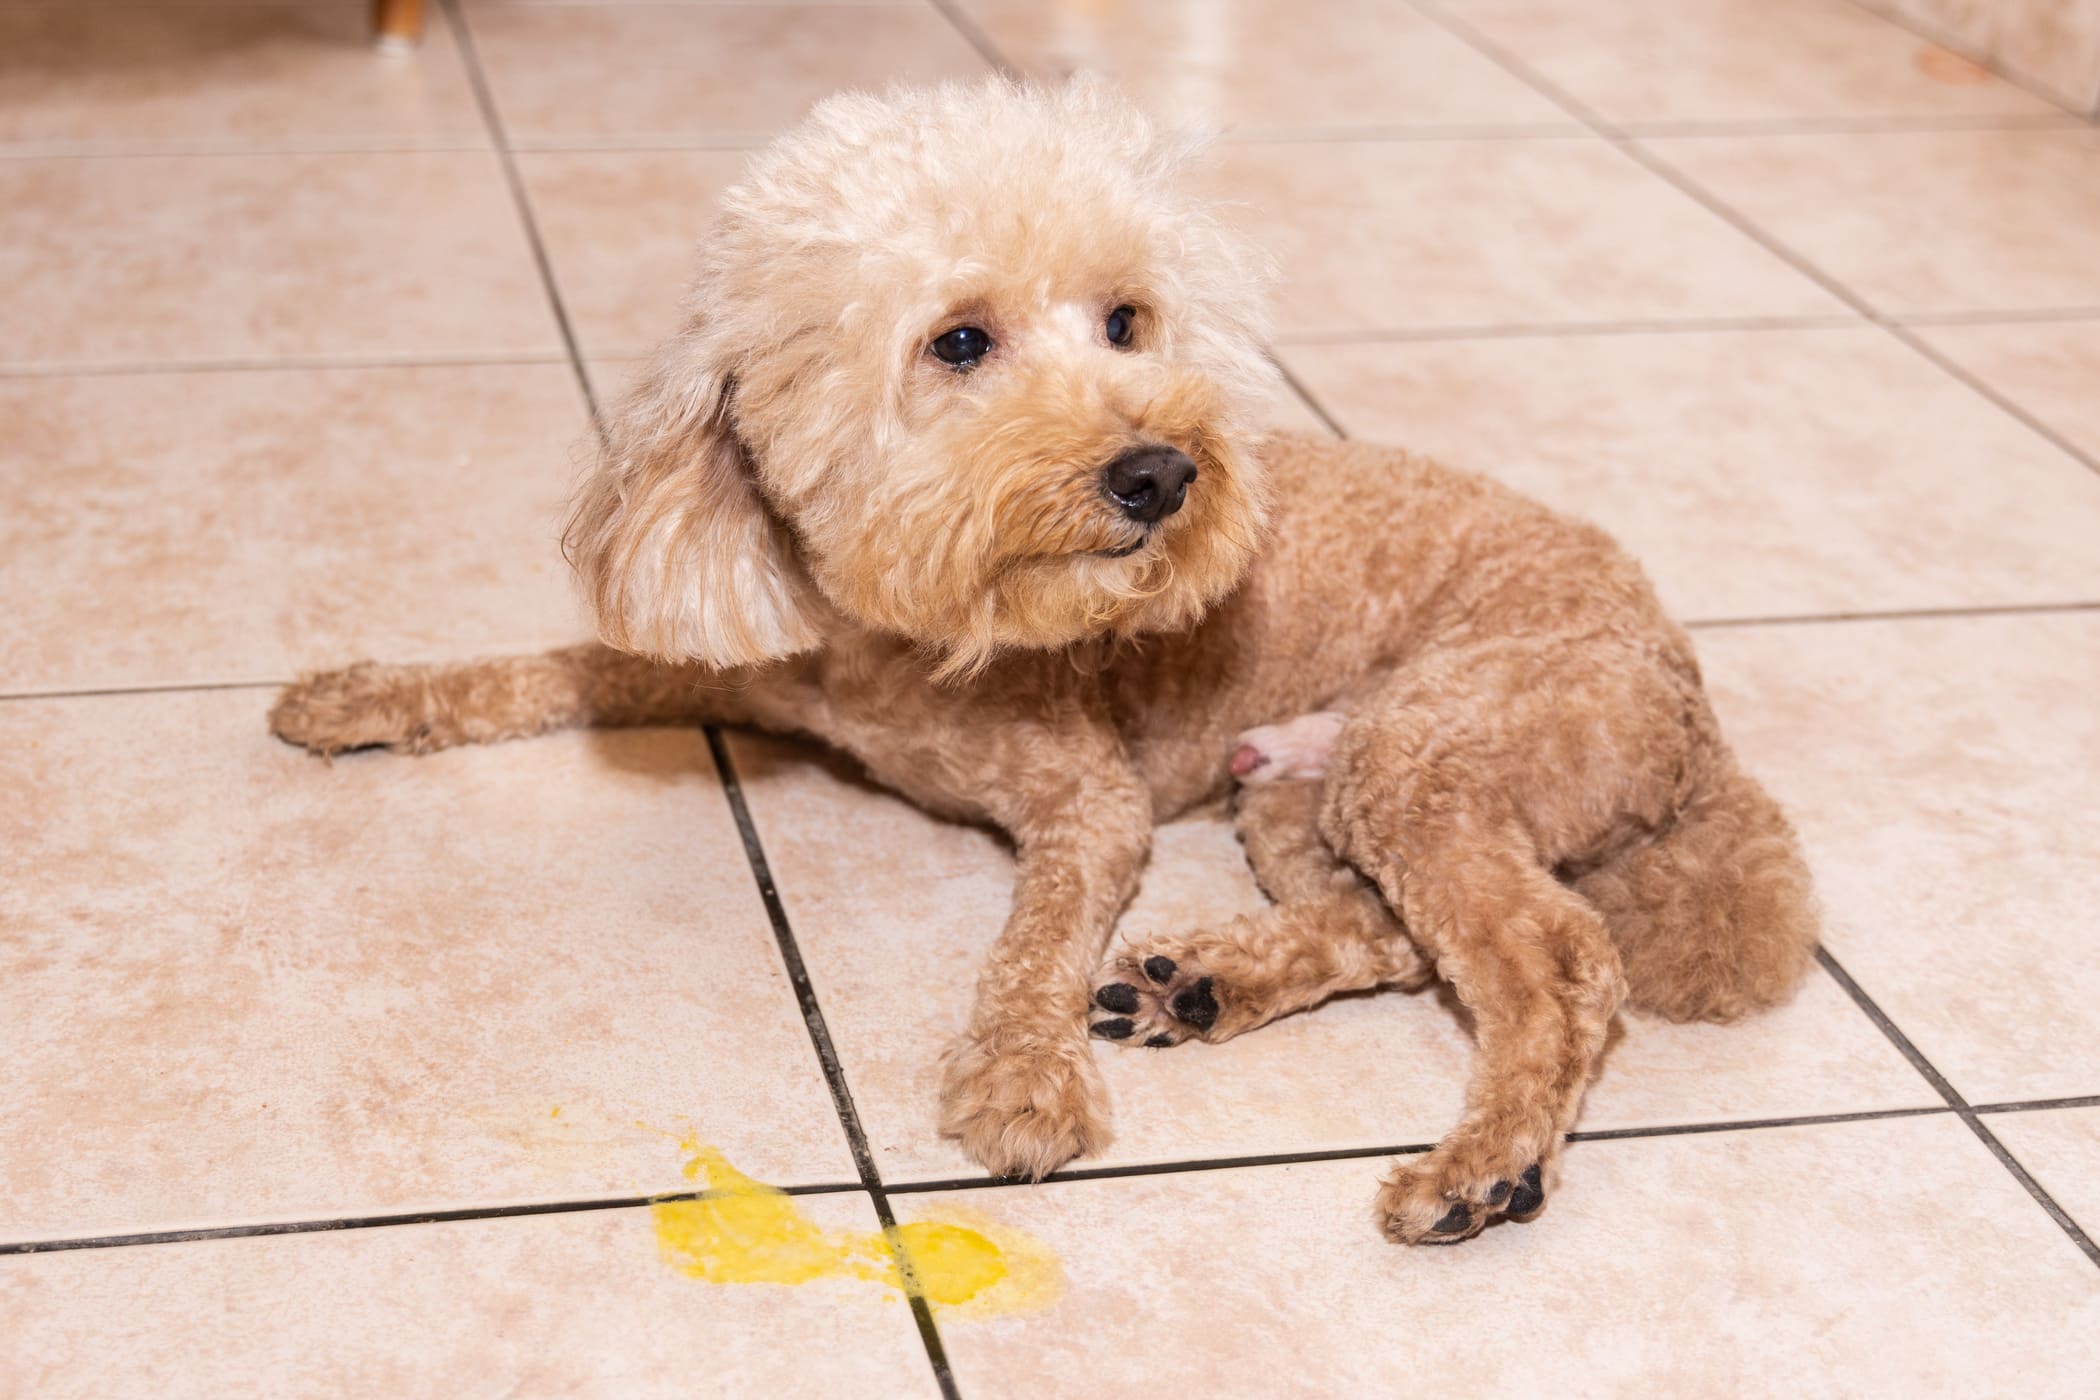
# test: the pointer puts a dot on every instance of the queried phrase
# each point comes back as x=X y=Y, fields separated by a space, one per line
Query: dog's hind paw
x=1449 y=1196
x=1150 y=999
x=359 y=707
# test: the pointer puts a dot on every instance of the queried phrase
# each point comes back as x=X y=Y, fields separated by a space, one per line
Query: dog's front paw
x=1023 y=1103
x=1451 y=1193
x=360 y=707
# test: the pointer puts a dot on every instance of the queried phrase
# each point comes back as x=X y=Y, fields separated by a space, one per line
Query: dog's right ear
x=675 y=551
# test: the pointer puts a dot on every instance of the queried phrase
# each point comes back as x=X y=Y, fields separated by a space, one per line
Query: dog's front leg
x=1019 y=1088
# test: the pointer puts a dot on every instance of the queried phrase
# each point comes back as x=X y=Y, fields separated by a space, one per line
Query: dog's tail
x=419 y=709
x=1715 y=917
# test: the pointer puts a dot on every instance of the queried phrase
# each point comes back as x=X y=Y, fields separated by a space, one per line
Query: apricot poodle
x=958 y=465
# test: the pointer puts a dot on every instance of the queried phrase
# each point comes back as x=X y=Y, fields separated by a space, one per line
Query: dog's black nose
x=1149 y=483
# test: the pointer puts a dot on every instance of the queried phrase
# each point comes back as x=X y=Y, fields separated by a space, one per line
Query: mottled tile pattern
x=284 y=382
x=575 y=1304
x=1248 y=66
x=137 y=260
x=2050 y=369
x=1755 y=473
x=1922 y=221
x=1676 y=1265
x=1941 y=772
x=1424 y=235
x=224 y=74
x=1659 y=61
x=226 y=526
x=242 y=984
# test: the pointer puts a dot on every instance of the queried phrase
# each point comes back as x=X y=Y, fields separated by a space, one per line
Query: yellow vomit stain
x=747 y=1232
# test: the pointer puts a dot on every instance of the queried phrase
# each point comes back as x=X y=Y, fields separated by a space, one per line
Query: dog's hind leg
x=1328 y=932
x=419 y=709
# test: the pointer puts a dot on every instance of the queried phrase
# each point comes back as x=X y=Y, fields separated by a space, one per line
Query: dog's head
x=961 y=364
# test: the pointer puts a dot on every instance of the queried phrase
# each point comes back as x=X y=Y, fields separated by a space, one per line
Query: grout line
x=1947 y=39
x=485 y=99
x=375 y=1222
x=922 y=1187
x=2036 y=1105
x=1984 y=318
x=1853 y=126
x=1718 y=624
x=1955 y=1101
x=1307 y=397
x=1709 y=624
x=828 y=1061
x=170 y=688
x=1650 y=161
x=1517 y=330
x=974 y=35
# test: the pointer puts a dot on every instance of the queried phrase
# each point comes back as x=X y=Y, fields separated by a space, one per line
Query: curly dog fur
x=815 y=516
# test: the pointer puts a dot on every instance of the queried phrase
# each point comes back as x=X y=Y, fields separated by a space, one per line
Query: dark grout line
x=1307 y=397
x=1851 y=126
x=1654 y=164
x=377 y=1222
x=485 y=99
x=1955 y=1101
x=1987 y=317
x=174 y=688
x=1722 y=624
x=828 y=1061
x=1933 y=34
x=1548 y=330
x=1186 y=1166
x=2039 y=1105
x=1344 y=1154
x=973 y=35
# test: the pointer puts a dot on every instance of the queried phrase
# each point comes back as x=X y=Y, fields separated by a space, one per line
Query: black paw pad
x=1159 y=969
x=1119 y=997
x=1196 y=1005
x=1530 y=1193
x=1498 y=1193
x=1119 y=1029
x=1458 y=1218
x=1158 y=1042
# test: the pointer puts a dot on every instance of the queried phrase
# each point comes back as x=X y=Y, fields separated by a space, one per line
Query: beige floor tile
x=2061 y=1150
x=573 y=1305
x=1923 y=221
x=1941 y=773
x=1709 y=1265
x=1754 y=473
x=145 y=260
x=1741 y=60
x=1438 y=234
x=2049 y=368
x=642 y=74
x=164 y=529
x=895 y=912
x=622 y=229
x=99 y=77
x=1245 y=63
x=244 y=985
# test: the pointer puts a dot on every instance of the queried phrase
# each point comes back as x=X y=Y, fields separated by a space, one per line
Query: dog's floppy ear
x=675 y=552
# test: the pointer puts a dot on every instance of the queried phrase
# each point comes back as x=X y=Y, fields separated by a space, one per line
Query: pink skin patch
x=1295 y=749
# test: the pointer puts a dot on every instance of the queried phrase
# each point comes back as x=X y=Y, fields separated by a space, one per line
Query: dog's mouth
x=1124 y=551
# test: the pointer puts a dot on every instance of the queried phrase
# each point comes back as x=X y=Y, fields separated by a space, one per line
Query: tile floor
x=356 y=1079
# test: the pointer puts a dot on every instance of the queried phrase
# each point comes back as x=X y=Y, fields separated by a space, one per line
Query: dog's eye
x=1121 y=322
x=962 y=347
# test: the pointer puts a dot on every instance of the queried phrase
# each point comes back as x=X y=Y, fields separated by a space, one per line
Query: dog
x=958 y=464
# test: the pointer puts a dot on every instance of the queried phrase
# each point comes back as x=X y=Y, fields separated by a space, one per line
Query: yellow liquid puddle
x=748 y=1232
